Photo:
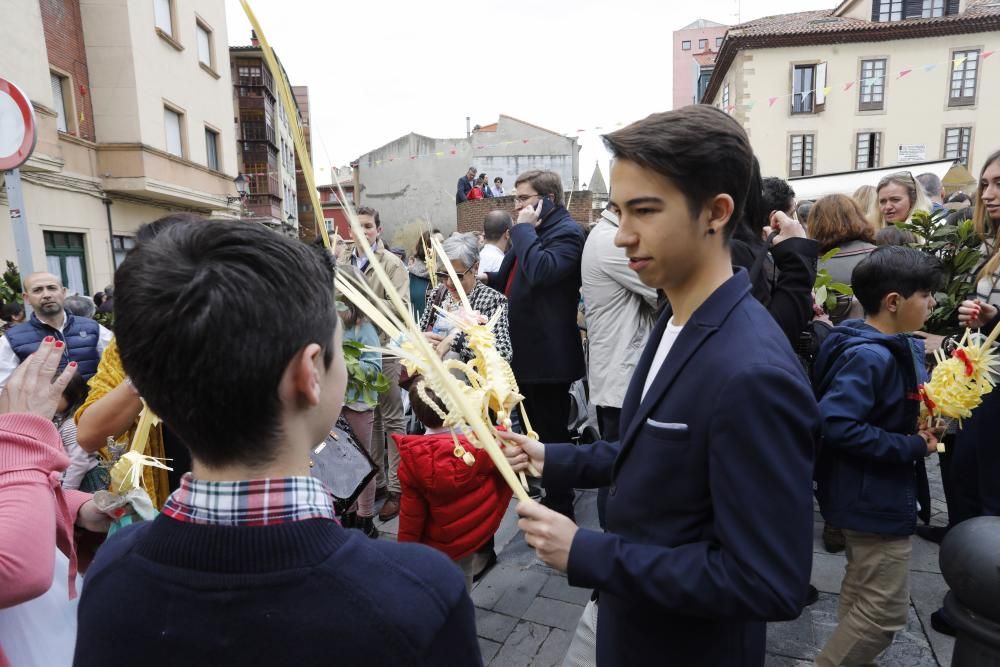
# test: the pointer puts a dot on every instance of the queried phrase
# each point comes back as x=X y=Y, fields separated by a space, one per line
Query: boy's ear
x=891 y=302
x=303 y=375
x=720 y=210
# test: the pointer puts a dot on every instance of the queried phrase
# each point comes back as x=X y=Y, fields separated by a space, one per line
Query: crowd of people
x=727 y=399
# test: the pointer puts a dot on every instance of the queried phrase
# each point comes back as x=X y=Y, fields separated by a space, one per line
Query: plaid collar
x=256 y=502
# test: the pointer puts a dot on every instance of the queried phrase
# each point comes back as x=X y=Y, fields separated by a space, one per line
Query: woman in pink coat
x=36 y=515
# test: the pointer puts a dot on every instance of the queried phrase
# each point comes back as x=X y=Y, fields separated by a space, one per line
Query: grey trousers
x=388 y=421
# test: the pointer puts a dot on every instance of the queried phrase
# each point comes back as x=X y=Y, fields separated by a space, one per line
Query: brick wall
x=472 y=213
x=67 y=54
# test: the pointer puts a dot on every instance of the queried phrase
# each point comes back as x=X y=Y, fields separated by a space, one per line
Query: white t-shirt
x=490 y=259
x=670 y=335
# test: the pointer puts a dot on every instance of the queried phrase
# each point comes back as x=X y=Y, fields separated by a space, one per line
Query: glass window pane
x=172 y=123
x=53 y=265
x=163 y=19
x=204 y=46
x=211 y=150
x=74 y=275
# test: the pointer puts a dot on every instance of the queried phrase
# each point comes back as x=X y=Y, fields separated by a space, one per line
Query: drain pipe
x=111 y=237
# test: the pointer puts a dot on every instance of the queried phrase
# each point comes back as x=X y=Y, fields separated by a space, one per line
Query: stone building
x=413 y=179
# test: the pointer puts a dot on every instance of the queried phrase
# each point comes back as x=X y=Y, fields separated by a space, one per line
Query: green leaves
x=363 y=381
x=956 y=246
x=828 y=290
x=10 y=284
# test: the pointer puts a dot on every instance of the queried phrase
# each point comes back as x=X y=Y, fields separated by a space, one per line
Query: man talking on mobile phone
x=541 y=278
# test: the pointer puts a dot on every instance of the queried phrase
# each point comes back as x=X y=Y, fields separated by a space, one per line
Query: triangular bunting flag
x=958 y=62
x=454 y=151
x=771 y=101
x=749 y=105
x=904 y=72
x=439 y=153
x=929 y=67
x=848 y=85
x=987 y=54
x=826 y=91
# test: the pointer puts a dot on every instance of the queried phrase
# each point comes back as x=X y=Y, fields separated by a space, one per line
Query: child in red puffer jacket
x=446 y=503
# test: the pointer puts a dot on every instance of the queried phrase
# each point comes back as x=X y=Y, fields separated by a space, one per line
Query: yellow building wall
x=916 y=107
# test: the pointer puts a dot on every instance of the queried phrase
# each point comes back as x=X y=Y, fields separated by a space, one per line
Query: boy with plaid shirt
x=246 y=564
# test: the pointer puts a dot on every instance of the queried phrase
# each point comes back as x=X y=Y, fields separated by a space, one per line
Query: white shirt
x=490 y=259
x=9 y=360
x=670 y=335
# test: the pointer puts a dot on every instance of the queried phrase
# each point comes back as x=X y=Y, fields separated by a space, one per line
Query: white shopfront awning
x=845 y=183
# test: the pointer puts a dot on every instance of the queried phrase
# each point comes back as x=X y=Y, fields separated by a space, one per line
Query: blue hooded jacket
x=867 y=384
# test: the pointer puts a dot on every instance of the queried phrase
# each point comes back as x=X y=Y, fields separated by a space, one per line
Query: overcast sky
x=380 y=69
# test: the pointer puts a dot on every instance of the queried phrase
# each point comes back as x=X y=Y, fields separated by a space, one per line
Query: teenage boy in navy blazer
x=246 y=564
x=709 y=515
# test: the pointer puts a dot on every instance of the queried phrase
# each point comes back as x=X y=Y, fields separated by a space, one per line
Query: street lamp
x=241 y=190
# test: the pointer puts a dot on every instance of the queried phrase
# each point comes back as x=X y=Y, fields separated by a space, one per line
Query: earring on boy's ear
x=711 y=230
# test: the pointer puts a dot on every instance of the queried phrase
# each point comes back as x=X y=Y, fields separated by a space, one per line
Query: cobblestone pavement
x=526 y=612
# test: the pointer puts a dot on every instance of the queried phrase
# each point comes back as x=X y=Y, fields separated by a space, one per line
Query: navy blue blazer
x=709 y=514
x=543 y=299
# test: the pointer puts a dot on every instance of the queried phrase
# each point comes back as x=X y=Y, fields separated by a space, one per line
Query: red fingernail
x=48 y=339
x=59 y=344
x=72 y=364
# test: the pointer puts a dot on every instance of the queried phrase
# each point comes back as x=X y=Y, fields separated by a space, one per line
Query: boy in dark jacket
x=868 y=380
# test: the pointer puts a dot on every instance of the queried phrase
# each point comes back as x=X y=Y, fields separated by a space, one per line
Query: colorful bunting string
x=748 y=105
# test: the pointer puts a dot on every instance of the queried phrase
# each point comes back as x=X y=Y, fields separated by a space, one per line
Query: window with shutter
x=58 y=100
x=871 y=93
x=803 y=88
x=800 y=154
x=868 y=147
x=212 y=149
x=956 y=144
x=964 y=73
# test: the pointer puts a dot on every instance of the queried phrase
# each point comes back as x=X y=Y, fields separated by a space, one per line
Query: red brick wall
x=64 y=41
x=471 y=213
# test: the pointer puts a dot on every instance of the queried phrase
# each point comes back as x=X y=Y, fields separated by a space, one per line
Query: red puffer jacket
x=447 y=504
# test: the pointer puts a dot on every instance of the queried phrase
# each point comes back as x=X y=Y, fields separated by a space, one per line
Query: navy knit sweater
x=303 y=593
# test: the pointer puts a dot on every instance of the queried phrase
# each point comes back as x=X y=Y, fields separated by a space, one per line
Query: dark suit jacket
x=462 y=193
x=543 y=299
x=709 y=514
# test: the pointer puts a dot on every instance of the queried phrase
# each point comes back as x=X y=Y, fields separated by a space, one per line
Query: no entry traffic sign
x=17 y=126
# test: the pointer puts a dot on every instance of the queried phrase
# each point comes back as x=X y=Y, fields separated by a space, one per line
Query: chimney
x=468 y=127
x=253 y=39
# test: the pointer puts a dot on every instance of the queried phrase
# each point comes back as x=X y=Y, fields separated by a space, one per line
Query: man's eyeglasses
x=443 y=275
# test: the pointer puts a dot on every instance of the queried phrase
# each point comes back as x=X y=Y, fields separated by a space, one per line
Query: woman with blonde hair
x=899 y=195
x=975 y=457
x=867 y=198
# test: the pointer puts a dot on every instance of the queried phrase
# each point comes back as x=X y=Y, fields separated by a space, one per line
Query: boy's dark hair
x=368 y=210
x=894 y=269
x=75 y=394
x=778 y=195
x=208 y=317
x=496 y=224
x=151 y=230
x=893 y=235
x=701 y=149
x=423 y=412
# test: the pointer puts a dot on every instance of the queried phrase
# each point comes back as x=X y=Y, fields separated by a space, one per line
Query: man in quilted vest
x=85 y=339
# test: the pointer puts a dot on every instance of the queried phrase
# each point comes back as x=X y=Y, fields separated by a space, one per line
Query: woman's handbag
x=342 y=465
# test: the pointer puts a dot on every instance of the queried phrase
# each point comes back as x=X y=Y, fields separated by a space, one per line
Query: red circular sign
x=17 y=126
